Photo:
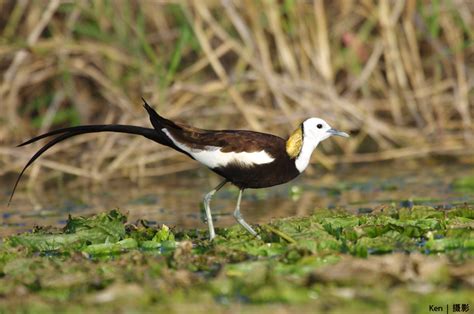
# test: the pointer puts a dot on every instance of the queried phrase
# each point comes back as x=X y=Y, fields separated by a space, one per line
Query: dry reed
x=398 y=74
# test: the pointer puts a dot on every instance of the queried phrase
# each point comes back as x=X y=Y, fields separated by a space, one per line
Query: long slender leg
x=207 y=201
x=240 y=219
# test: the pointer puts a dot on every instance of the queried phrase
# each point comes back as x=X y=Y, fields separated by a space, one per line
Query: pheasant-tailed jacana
x=247 y=159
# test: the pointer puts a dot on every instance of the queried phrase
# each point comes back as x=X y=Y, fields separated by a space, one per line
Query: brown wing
x=228 y=140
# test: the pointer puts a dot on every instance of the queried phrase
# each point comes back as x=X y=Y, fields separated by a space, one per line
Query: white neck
x=304 y=157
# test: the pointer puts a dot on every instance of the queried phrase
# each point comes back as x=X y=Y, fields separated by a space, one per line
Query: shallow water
x=176 y=200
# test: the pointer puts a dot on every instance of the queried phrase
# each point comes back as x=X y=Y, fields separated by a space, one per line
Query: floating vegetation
x=330 y=258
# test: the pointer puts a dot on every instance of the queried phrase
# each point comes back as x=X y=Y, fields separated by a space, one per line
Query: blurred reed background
x=398 y=74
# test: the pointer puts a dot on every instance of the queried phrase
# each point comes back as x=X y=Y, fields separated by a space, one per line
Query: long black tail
x=153 y=134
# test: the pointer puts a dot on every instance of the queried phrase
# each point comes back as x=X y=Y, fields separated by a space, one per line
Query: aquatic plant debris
x=102 y=234
x=331 y=258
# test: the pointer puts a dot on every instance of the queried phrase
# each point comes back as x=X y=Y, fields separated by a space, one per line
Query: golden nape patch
x=294 y=143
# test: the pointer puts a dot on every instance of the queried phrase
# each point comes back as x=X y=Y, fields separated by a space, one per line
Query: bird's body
x=246 y=159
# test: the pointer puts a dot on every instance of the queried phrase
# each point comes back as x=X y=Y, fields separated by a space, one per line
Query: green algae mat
x=391 y=260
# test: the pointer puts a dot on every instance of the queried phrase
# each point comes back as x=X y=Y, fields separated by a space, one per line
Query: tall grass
x=398 y=74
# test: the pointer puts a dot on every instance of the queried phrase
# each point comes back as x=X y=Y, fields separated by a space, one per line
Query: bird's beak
x=338 y=133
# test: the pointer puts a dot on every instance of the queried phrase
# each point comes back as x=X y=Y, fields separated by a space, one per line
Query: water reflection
x=176 y=200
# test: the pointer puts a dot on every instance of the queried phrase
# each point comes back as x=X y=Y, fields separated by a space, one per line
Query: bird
x=246 y=159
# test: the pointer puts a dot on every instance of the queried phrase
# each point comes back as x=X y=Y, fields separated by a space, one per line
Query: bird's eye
x=319 y=126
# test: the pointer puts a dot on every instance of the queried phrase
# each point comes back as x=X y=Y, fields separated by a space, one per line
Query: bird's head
x=311 y=131
x=318 y=130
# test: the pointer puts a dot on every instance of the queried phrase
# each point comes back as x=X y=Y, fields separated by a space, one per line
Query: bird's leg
x=240 y=219
x=207 y=201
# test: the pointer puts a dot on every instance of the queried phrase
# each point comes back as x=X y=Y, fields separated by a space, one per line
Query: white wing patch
x=213 y=157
